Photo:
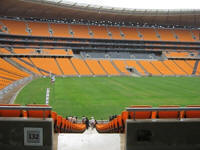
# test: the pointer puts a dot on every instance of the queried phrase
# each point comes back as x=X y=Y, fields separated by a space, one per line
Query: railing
x=27 y=108
x=163 y=109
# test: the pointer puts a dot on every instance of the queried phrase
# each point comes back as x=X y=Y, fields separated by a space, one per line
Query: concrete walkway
x=90 y=140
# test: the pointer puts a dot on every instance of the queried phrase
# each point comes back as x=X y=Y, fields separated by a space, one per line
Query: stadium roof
x=59 y=9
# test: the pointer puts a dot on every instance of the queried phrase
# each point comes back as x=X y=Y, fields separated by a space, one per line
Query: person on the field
x=53 y=79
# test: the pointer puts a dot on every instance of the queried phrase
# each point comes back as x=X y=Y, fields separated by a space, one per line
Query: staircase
x=180 y=67
x=146 y=72
x=74 y=67
x=88 y=67
x=155 y=67
x=59 y=66
x=102 y=67
x=39 y=69
x=121 y=73
x=168 y=68
x=90 y=140
x=10 y=61
x=195 y=67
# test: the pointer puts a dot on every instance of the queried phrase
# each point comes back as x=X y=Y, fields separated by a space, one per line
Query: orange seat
x=54 y=116
x=120 y=125
x=58 y=124
x=10 y=113
x=63 y=125
x=192 y=113
x=124 y=116
x=38 y=113
x=168 y=114
x=140 y=114
x=116 y=129
x=67 y=125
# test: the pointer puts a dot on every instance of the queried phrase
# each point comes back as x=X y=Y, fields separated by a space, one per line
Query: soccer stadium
x=87 y=76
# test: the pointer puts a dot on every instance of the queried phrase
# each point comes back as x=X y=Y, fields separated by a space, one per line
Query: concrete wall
x=163 y=134
x=26 y=134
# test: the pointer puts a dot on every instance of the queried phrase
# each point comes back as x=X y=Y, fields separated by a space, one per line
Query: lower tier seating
x=61 y=125
x=117 y=124
x=89 y=67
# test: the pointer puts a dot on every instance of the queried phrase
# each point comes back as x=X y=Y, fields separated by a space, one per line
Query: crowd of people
x=89 y=123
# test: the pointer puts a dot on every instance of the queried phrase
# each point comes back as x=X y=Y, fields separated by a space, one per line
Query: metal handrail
x=25 y=108
x=163 y=109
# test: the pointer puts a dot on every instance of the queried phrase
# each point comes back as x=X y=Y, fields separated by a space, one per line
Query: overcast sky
x=143 y=4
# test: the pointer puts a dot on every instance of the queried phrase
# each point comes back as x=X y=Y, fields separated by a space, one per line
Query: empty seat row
x=61 y=125
x=77 y=66
x=92 y=31
x=117 y=125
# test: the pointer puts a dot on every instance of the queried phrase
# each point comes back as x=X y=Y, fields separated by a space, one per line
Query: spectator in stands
x=70 y=118
x=83 y=119
x=110 y=118
x=87 y=123
x=92 y=122
x=74 y=119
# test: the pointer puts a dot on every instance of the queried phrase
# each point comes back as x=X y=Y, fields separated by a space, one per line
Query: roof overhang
x=46 y=9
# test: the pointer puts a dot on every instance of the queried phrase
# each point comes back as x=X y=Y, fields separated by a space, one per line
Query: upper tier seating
x=15 y=27
x=91 y=31
x=54 y=51
x=115 y=32
x=99 y=32
x=130 y=33
x=166 y=34
x=23 y=51
x=39 y=29
x=196 y=33
x=148 y=34
x=60 y=30
x=178 y=54
x=184 y=35
x=80 y=31
x=4 y=51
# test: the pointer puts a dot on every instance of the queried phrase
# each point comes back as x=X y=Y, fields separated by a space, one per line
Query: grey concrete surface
x=163 y=134
x=13 y=133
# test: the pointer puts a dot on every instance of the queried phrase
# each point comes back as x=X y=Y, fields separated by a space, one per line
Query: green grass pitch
x=104 y=96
